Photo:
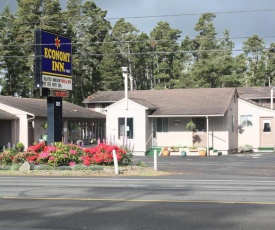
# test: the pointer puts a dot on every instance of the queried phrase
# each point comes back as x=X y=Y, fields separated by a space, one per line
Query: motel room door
x=267 y=131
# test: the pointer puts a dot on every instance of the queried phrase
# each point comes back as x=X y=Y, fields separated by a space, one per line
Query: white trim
x=202 y=115
x=14 y=111
x=256 y=106
x=122 y=100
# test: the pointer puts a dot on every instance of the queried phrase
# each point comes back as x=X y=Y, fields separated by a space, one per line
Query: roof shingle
x=38 y=107
x=200 y=101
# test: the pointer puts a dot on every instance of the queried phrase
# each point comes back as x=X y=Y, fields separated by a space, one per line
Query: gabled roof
x=254 y=92
x=201 y=101
x=38 y=107
x=6 y=116
x=104 y=97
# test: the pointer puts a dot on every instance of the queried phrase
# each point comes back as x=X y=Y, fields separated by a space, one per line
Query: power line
x=154 y=16
x=132 y=41
x=192 y=14
x=149 y=53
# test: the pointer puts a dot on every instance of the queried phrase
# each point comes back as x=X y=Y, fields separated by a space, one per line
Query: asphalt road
x=229 y=192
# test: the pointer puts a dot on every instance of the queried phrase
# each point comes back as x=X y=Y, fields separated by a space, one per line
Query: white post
x=155 y=160
x=131 y=83
x=115 y=162
x=207 y=136
x=125 y=75
x=271 y=97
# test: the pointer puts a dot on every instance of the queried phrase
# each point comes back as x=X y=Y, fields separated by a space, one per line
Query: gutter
x=190 y=115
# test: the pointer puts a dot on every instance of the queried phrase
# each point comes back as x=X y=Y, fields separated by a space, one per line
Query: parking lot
x=225 y=167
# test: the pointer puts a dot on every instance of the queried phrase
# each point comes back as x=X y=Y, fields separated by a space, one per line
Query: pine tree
x=88 y=33
x=166 y=48
x=254 y=50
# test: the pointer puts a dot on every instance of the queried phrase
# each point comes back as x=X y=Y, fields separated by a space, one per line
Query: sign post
x=53 y=76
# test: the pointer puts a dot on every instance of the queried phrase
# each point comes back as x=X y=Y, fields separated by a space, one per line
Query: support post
x=55 y=124
x=207 y=136
x=125 y=75
x=271 y=97
x=115 y=162
x=155 y=160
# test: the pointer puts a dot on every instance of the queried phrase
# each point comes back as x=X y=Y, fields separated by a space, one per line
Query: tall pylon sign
x=53 y=76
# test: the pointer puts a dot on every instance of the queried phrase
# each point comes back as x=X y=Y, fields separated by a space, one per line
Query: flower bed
x=60 y=154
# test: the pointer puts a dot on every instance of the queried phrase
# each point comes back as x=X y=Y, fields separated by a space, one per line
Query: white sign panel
x=52 y=82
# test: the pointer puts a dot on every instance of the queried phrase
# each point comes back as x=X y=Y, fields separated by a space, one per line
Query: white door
x=267 y=131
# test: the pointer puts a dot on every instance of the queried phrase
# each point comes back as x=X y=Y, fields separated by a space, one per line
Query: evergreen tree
x=270 y=64
x=7 y=63
x=205 y=48
x=185 y=64
x=88 y=33
x=110 y=67
x=254 y=50
x=166 y=48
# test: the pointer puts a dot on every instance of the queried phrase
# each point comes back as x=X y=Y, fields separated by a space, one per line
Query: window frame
x=122 y=121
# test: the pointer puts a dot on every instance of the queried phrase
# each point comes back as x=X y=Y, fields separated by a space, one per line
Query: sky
x=259 y=17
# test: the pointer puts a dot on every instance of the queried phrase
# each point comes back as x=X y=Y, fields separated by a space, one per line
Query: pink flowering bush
x=60 y=154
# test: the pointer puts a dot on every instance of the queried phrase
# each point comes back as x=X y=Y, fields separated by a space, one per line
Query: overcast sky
x=239 y=24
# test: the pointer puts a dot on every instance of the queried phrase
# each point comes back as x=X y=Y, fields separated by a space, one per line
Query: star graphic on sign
x=57 y=42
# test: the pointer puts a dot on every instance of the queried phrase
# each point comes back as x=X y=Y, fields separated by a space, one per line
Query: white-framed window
x=246 y=120
x=129 y=121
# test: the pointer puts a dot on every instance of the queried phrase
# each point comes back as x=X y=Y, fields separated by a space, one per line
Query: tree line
x=160 y=59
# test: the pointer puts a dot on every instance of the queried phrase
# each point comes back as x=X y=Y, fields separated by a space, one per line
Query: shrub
x=69 y=155
x=6 y=157
x=62 y=154
x=19 y=146
x=19 y=158
x=141 y=164
x=102 y=154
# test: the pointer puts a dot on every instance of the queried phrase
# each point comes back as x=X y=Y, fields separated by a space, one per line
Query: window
x=200 y=123
x=162 y=124
x=129 y=128
x=177 y=122
x=121 y=127
x=246 y=120
x=267 y=126
x=233 y=121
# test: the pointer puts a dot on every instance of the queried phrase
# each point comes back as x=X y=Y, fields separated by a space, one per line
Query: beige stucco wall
x=251 y=135
x=20 y=127
x=135 y=111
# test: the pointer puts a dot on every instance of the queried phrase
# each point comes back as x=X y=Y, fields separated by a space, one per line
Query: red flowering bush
x=37 y=148
x=102 y=154
x=60 y=154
